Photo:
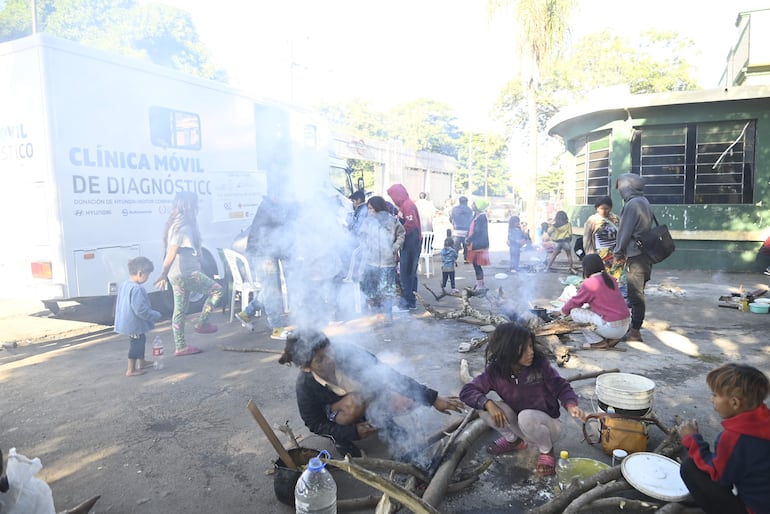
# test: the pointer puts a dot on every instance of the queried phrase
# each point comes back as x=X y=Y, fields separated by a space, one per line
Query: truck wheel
x=163 y=301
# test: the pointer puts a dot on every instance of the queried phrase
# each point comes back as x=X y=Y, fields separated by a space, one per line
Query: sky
x=306 y=51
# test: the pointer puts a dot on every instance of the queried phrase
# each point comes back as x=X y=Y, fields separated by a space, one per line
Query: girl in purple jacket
x=531 y=390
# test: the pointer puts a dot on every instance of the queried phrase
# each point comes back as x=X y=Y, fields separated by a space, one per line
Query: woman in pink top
x=606 y=307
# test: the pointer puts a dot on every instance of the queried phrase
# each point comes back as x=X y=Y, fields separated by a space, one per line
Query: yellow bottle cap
x=564 y=454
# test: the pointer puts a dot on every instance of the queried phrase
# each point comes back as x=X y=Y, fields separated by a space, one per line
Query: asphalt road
x=181 y=440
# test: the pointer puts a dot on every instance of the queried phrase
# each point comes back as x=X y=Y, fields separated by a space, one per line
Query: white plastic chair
x=354 y=271
x=242 y=280
x=426 y=252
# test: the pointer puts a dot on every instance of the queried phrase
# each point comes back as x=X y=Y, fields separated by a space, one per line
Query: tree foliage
x=482 y=162
x=159 y=33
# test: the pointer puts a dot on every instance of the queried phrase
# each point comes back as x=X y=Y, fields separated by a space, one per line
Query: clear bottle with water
x=157 y=353
x=563 y=470
x=316 y=491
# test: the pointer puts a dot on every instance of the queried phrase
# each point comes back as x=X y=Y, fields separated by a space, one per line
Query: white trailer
x=94 y=147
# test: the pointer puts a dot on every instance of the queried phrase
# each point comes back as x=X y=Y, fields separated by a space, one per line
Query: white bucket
x=625 y=391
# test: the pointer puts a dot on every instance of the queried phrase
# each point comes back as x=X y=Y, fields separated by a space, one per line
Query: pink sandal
x=546 y=465
x=189 y=350
x=503 y=445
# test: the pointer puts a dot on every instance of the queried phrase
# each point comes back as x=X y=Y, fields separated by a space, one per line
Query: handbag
x=616 y=431
x=656 y=243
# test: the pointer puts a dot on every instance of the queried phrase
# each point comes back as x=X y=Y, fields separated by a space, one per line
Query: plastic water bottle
x=564 y=470
x=157 y=353
x=316 y=491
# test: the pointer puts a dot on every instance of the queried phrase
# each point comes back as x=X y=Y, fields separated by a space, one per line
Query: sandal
x=546 y=465
x=189 y=350
x=503 y=445
x=605 y=344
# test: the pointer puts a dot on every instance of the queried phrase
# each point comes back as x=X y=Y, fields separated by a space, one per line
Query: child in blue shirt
x=448 y=263
x=133 y=314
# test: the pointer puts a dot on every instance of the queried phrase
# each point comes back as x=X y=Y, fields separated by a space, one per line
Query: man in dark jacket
x=635 y=218
x=461 y=217
x=410 y=252
x=345 y=392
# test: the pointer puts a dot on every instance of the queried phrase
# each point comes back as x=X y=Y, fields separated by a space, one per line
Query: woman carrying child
x=531 y=390
x=606 y=307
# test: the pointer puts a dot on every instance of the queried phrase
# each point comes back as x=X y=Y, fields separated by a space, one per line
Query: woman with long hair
x=382 y=236
x=530 y=390
x=606 y=307
x=182 y=269
x=478 y=241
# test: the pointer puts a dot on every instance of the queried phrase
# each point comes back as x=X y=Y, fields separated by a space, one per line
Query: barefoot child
x=741 y=458
x=531 y=390
x=133 y=314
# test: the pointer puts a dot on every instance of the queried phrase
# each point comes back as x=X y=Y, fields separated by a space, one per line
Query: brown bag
x=615 y=431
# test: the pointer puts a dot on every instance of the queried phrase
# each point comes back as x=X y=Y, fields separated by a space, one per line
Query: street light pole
x=34 y=16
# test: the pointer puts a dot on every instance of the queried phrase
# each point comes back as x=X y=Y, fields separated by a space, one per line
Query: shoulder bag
x=656 y=243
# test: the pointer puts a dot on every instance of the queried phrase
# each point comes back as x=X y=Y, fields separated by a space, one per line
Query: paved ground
x=181 y=440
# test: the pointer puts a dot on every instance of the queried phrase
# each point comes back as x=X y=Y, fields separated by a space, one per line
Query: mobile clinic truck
x=94 y=147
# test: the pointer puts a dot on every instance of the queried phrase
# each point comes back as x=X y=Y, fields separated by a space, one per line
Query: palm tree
x=543 y=25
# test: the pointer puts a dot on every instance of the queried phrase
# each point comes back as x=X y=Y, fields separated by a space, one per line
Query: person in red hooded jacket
x=735 y=477
x=410 y=252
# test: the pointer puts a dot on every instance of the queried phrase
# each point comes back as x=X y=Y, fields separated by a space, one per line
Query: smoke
x=397 y=404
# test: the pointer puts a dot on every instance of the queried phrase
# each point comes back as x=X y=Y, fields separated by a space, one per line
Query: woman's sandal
x=503 y=445
x=546 y=465
x=605 y=344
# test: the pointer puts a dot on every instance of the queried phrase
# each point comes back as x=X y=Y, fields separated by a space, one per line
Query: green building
x=705 y=157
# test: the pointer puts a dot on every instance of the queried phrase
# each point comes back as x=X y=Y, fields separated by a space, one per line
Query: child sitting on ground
x=741 y=458
x=606 y=307
x=448 y=262
x=530 y=389
x=133 y=314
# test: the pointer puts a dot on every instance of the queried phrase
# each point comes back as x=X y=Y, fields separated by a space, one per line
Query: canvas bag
x=626 y=433
x=656 y=243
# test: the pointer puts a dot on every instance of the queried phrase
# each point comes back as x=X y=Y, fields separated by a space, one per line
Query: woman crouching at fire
x=345 y=392
x=530 y=389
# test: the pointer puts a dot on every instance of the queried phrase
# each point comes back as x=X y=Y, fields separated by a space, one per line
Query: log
x=553 y=345
x=434 y=493
x=620 y=503
x=559 y=503
x=364 y=502
x=265 y=426
x=562 y=326
x=584 y=376
x=595 y=493
x=247 y=350
x=83 y=508
x=407 y=498
x=465 y=374
x=390 y=465
x=678 y=508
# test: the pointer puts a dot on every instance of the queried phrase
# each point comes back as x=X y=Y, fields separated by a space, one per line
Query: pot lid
x=655 y=475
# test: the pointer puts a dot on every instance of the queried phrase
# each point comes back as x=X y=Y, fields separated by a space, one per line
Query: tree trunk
x=434 y=493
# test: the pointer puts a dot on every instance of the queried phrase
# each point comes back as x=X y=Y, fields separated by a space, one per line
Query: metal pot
x=285 y=479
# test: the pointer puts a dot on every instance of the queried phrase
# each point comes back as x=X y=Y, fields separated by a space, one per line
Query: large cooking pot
x=626 y=393
x=285 y=479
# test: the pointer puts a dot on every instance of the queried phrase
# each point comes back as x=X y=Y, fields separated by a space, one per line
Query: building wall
x=718 y=237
